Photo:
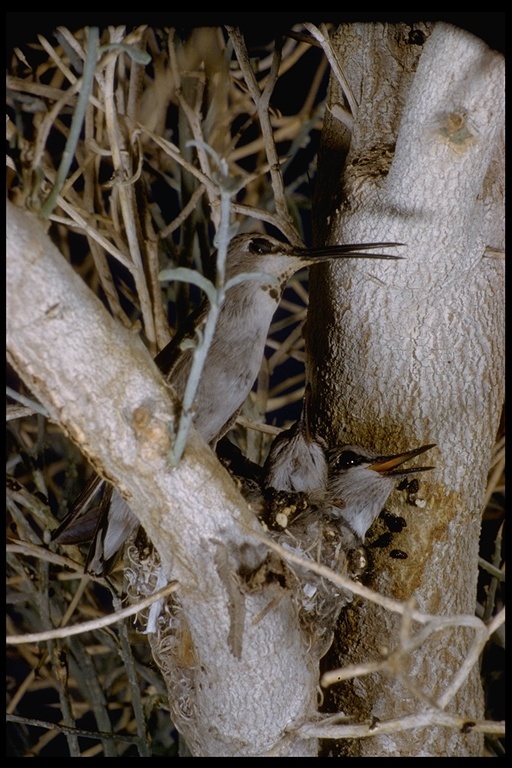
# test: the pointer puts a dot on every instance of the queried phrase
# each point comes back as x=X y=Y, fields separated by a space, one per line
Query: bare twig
x=321 y=34
x=121 y=158
x=88 y=626
x=261 y=100
x=400 y=724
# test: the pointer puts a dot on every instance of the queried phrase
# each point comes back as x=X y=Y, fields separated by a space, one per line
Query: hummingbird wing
x=79 y=525
x=116 y=522
x=108 y=524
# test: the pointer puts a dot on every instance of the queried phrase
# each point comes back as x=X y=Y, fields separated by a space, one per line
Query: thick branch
x=99 y=383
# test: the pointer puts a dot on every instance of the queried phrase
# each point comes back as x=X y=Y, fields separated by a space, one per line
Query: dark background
x=22 y=27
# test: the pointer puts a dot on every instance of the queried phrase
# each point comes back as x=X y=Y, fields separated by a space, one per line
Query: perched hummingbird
x=232 y=365
x=236 y=352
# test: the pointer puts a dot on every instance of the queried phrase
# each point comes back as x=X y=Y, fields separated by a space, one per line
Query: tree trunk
x=412 y=352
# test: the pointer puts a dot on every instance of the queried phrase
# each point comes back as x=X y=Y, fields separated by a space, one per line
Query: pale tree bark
x=412 y=352
x=237 y=685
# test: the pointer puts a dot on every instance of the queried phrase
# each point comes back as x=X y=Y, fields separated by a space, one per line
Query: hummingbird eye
x=260 y=245
x=347 y=459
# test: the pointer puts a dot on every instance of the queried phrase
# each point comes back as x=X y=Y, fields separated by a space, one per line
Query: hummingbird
x=294 y=470
x=297 y=459
x=231 y=367
x=236 y=352
x=360 y=481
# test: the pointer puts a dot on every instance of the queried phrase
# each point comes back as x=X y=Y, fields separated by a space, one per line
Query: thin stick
x=88 y=626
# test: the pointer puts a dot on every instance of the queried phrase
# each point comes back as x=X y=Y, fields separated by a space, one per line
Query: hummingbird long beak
x=351 y=251
x=386 y=464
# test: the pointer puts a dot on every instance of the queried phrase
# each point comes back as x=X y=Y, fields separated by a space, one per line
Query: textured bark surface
x=412 y=352
x=237 y=687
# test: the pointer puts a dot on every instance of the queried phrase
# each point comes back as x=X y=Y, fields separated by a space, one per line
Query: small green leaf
x=185 y=275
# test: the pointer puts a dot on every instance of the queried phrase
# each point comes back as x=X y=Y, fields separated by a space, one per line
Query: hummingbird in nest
x=324 y=516
x=350 y=483
x=360 y=482
x=353 y=481
x=294 y=471
x=352 y=488
x=297 y=459
x=232 y=365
